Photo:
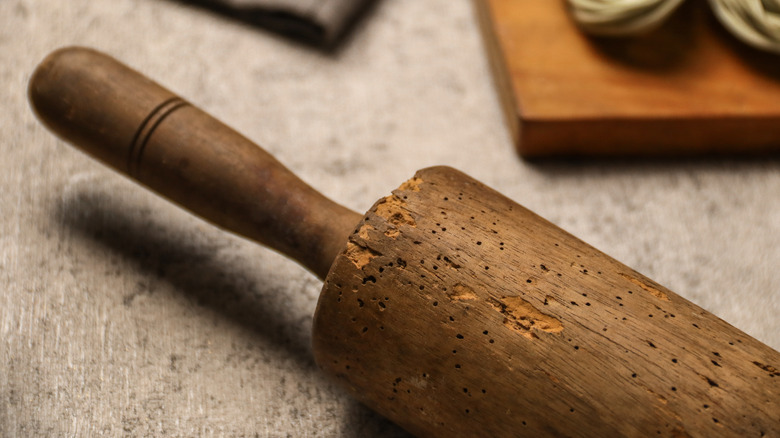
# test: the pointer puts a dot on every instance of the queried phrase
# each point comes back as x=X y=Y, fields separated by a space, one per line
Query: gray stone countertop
x=121 y=315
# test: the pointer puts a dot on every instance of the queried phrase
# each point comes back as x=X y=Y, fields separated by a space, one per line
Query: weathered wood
x=146 y=132
x=456 y=312
x=450 y=309
x=688 y=88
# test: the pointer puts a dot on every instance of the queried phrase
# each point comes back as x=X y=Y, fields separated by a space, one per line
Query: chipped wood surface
x=475 y=317
x=516 y=298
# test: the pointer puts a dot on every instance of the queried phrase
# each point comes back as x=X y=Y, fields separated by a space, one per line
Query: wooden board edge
x=649 y=137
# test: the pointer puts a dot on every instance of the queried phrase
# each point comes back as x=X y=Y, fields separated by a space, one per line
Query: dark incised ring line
x=145 y=131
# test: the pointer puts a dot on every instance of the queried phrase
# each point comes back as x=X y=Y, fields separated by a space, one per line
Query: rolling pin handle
x=146 y=132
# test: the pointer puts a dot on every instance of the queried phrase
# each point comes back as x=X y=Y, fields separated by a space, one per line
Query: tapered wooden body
x=456 y=312
x=450 y=309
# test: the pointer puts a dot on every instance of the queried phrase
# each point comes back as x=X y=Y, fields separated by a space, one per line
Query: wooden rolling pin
x=447 y=307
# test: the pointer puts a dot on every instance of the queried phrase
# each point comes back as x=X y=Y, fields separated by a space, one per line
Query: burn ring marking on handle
x=147 y=128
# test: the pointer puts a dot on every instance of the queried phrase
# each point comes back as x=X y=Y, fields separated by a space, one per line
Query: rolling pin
x=447 y=307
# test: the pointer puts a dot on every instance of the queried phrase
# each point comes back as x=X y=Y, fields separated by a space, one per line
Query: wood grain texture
x=456 y=312
x=92 y=100
x=687 y=88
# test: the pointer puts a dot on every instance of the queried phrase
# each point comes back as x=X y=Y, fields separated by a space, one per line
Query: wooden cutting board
x=688 y=88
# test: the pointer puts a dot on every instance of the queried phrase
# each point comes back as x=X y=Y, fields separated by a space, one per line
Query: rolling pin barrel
x=148 y=133
x=455 y=311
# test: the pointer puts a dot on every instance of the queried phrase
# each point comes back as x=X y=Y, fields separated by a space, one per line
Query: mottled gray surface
x=121 y=315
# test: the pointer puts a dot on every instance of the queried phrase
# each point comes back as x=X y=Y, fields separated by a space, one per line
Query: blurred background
x=122 y=315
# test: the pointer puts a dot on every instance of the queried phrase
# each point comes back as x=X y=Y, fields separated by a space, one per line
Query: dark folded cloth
x=317 y=21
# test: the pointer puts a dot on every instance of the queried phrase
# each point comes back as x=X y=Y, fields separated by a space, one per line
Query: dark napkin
x=320 y=22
